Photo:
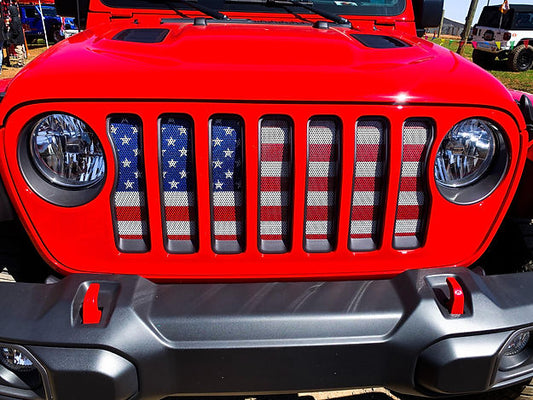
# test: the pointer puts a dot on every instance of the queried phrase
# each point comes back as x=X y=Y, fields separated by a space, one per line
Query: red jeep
x=260 y=197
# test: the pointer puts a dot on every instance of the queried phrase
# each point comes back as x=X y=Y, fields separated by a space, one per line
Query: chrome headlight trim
x=485 y=158
x=66 y=151
x=44 y=185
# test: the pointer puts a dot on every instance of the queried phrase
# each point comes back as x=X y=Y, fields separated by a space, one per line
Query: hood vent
x=379 y=41
x=142 y=35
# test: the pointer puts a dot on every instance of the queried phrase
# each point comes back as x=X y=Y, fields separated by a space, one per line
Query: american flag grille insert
x=413 y=197
x=178 y=183
x=227 y=178
x=275 y=184
x=321 y=212
x=368 y=185
x=130 y=216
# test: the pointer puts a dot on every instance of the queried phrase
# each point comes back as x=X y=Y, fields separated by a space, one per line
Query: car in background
x=506 y=35
x=68 y=27
x=32 y=22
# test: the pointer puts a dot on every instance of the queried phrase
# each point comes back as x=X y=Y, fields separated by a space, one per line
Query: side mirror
x=428 y=13
x=74 y=8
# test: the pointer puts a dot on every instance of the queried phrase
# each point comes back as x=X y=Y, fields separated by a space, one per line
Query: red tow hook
x=456 y=304
x=90 y=312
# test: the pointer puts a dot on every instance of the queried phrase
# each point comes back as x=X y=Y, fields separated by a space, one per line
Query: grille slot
x=413 y=198
x=227 y=177
x=178 y=184
x=130 y=215
x=322 y=190
x=275 y=184
x=368 y=185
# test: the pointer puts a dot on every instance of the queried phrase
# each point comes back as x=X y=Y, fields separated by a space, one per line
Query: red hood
x=234 y=61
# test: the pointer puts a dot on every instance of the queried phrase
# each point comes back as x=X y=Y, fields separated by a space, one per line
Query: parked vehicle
x=68 y=27
x=254 y=198
x=33 y=23
x=506 y=36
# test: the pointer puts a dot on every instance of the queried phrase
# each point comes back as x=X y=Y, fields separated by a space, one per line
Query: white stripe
x=321 y=132
x=180 y=228
x=415 y=134
x=128 y=199
x=274 y=168
x=365 y=169
x=411 y=199
x=273 y=227
x=130 y=227
x=274 y=199
x=318 y=227
x=322 y=169
x=228 y=228
x=362 y=227
x=275 y=135
x=366 y=198
x=184 y=199
x=406 y=226
x=229 y=199
x=320 y=199
x=411 y=169
x=369 y=134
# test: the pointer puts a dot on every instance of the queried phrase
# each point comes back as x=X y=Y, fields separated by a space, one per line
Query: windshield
x=342 y=7
x=518 y=17
x=49 y=12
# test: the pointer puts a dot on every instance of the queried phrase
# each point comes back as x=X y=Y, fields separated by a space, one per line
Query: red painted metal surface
x=253 y=70
x=456 y=304
x=90 y=312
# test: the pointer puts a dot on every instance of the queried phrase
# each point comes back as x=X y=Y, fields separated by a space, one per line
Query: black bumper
x=156 y=340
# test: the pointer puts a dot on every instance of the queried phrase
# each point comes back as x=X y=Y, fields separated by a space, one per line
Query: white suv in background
x=506 y=36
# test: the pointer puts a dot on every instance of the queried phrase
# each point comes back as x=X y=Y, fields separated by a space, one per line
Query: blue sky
x=457 y=9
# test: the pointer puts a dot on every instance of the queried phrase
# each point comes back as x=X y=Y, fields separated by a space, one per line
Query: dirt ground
x=10 y=72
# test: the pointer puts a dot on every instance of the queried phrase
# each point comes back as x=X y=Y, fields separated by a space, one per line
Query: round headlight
x=465 y=153
x=67 y=151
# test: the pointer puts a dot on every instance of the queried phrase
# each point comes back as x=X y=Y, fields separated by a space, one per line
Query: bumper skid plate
x=154 y=340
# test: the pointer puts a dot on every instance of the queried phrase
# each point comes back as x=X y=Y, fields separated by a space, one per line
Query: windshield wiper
x=304 y=4
x=206 y=10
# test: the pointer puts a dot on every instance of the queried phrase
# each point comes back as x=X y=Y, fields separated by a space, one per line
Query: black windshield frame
x=342 y=7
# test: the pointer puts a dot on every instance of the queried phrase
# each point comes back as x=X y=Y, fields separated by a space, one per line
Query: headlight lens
x=465 y=153
x=67 y=151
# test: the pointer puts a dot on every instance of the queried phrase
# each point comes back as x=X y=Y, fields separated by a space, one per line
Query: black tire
x=521 y=58
x=483 y=59
x=508 y=393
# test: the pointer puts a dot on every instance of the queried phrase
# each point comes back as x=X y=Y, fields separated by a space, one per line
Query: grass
x=512 y=80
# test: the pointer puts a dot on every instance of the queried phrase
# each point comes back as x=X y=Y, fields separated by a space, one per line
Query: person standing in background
x=16 y=35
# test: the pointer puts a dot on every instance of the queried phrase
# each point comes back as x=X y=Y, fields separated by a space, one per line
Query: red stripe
x=368 y=152
x=361 y=236
x=367 y=184
x=364 y=213
x=275 y=184
x=322 y=152
x=272 y=237
x=179 y=237
x=274 y=152
x=316 y=236
x=411 y=184
x=128 y=213
x=227 y=213
x=405 y=234
x=413 y=152
x=179 y=213
x=131 y=237
x=409 y=212
x=318 y=213
x=274 y=213
x=321 y=184
x=225 y=237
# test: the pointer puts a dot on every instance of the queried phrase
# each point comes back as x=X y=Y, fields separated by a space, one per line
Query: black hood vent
x=379 y=41
x=156 y=35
